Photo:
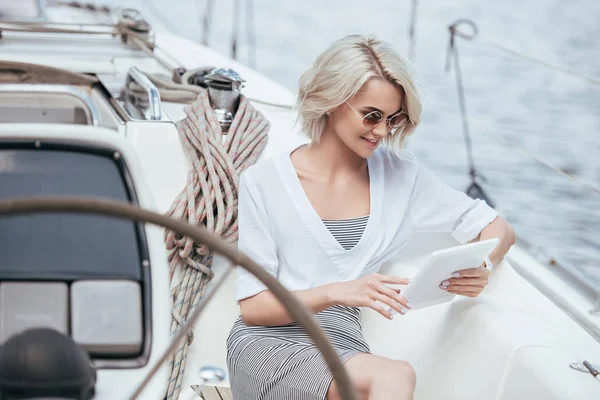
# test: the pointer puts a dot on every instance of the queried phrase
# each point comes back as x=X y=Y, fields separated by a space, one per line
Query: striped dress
x=281 y=362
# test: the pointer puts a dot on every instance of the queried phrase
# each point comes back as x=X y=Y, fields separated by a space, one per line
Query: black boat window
x=61 y=246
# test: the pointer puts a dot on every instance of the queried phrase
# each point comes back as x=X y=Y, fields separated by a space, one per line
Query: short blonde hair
x=338 y=74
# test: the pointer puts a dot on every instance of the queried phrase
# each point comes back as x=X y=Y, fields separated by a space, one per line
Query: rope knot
x=201 y=267
x=209 y=199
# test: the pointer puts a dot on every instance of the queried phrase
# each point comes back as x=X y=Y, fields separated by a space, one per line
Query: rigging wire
x=474 y=190
x=517 y=54
x=236 y=28
x=488 y=130
x=206 y=17
x=453 y=55
x=412 y=31
x=251 y=33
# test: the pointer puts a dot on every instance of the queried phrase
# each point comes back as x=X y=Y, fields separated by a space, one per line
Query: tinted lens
x=398 y=120
x=372 y=119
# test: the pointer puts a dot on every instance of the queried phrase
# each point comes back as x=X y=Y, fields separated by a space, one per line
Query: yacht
x=93 y=103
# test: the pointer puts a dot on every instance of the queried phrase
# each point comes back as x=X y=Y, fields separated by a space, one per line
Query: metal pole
x=412 y=29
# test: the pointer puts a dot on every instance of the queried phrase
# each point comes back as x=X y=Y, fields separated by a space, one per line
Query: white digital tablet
x=424 y=290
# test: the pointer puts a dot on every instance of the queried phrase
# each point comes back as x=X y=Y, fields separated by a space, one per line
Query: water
x=550 y=114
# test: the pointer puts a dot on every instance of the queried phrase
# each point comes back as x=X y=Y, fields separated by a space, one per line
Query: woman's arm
x=437 y=207
x=502 y=230
x=370 y=291
x=264 y=309
x=471 y=282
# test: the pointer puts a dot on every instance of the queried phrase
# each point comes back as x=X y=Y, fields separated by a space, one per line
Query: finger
x=395 y=290
x=465 y=282
x=463 y=289
x=389 y=301
x=392 y=279
x=465 y=293
x=471 y=272
x=380 y=309
x=393 y=295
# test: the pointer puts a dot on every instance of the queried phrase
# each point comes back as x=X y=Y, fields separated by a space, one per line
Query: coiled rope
x=209 y=199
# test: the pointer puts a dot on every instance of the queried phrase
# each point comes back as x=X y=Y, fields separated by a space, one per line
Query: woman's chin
x=364 y=153
x=365 y=149
x=361 y=147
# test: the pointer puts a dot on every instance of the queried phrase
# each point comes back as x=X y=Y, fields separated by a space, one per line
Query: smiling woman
x=324 y=217
x=358 y=65
x=376 y=100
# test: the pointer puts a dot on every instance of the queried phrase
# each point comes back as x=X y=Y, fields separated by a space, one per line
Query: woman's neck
x=332 y=157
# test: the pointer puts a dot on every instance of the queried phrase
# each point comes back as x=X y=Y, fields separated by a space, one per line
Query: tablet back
x=424 y=290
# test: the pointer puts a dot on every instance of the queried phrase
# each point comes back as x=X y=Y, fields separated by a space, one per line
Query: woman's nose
x=381 y=129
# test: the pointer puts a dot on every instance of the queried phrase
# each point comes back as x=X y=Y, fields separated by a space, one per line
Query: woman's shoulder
x=264 y=173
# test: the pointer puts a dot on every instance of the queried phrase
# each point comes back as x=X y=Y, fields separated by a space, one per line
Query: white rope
x=209 y=198
x=185 y=93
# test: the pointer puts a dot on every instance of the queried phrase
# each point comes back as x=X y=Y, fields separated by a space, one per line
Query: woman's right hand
x=370 y=291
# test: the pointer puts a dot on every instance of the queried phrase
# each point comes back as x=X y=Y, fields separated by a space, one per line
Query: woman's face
x=346 y=121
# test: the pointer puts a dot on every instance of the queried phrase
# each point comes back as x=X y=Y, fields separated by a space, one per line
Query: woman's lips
x=371 y=142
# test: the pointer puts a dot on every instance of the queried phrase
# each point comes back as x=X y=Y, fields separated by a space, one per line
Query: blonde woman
x=324 y=217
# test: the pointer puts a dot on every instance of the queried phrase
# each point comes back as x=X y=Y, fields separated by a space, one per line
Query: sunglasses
x=372 y=119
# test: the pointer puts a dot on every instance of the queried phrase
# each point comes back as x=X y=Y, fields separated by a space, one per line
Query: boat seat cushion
x=25 y=305
x=106 y=316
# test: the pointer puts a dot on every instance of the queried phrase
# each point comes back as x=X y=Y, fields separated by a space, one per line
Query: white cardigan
x=281 y=231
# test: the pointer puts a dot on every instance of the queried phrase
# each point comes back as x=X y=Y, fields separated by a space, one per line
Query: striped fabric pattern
x=281 y=362
x=347 y=231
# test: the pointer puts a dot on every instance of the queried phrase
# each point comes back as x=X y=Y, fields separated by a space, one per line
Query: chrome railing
x=140 y=98
x=154 y=107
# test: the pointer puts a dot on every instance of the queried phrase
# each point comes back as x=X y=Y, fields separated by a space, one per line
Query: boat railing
x=140 y=98
x=131 y=28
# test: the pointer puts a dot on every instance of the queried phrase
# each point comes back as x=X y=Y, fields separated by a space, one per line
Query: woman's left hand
x=468 y=282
